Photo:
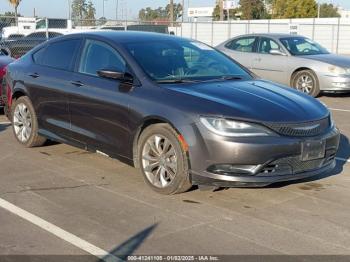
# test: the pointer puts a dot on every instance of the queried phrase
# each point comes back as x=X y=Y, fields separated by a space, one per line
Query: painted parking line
x=5 y=123
x=59 y=232
x=340 y=110
x=343 y=159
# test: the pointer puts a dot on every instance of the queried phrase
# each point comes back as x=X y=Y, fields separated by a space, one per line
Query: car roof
x=271 y=35
x=126 y=36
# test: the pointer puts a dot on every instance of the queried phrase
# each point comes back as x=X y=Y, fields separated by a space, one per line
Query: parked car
x=4 y=61
x=19 y=46
x=291 y=60
x=178 y=109
x=15 y=36
x=163 y=29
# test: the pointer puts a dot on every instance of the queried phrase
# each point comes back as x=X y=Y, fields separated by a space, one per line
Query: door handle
x=257 y=59
x=34 y=75
x=77 y=83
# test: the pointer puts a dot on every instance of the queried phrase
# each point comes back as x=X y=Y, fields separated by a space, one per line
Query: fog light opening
x=230 y=169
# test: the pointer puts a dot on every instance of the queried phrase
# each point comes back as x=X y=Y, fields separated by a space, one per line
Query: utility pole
x=116 y=9
x=221 y=5
x=183 y=11
x=171 y=12
x=69 y=9
x=318 y=9
x=103 y=7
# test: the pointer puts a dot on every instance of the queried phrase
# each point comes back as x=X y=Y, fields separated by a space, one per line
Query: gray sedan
x=291 y=60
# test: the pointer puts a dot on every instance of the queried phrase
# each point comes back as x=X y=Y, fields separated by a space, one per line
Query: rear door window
x=245 y=44
x=267 y=44
x=59 y=55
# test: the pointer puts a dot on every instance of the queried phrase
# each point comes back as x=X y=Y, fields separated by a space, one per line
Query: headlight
x=331 y=120
x=224 y=127
x=339 y=70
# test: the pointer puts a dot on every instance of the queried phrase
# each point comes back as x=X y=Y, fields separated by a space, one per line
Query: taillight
x=2 y=92
x=2 y=72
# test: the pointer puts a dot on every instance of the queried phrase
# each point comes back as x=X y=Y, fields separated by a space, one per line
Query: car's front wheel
x=25 y=124
x=306 y=81
x=163 y=160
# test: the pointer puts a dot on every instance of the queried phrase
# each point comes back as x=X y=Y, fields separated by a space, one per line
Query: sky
x=59 y=8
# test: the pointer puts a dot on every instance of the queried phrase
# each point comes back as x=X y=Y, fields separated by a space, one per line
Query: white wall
x=322 y=30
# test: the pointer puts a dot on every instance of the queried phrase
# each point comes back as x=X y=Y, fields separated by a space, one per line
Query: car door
x=99 y=106
x=271 y=61
x=242 y=50
x=48 y=82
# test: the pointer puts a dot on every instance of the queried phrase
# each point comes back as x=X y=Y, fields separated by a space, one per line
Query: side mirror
x=276 y=52
x=112 y=74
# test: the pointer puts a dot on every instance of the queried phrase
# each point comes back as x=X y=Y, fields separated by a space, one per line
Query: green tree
x=79 y=9
x=278 y=8
x=233 y=13
x=83 y=13
x=252 y=9
x=329 y=10
x=301 y=9
x=15 y=4
x=294 y=9
x=216 y=13
x=177 y=11
x=90 y=14
x=149 y=14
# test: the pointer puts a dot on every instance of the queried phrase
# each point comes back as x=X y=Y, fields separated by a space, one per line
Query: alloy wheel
x=305 y=83
x=159 y=161
x=22 y=122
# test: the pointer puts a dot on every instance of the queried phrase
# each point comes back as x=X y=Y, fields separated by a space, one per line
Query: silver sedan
x=291 y=60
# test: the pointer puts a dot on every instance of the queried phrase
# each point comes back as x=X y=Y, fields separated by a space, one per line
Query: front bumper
x=334 y=83
x=277 y=159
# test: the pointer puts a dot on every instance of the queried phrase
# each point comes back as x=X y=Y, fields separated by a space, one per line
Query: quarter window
x=97 y=56
x=39 y=56
x=245 y=44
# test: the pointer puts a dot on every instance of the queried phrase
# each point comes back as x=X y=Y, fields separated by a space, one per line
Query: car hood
x=337 y=60
x=258 y=101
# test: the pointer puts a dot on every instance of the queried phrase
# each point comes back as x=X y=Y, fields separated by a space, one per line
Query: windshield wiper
x=231 y=78
x=179 y=80
x=175 y=81
x=224 y=78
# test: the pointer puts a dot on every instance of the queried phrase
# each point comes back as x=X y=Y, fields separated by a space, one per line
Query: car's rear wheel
x=25 y=124
x=306 y=81
x=163 y=160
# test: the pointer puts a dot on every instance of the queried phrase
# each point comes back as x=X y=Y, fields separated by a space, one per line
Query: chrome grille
x=312 y=128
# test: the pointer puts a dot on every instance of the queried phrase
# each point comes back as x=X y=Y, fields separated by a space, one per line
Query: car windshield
x=174 y=61
x=299 y=46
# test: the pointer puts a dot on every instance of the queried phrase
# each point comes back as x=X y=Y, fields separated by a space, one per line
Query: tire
x=307 y=82
x=23 y=116
x=171 y=175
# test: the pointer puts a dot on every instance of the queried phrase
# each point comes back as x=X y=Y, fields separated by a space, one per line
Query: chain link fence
x=18 y=37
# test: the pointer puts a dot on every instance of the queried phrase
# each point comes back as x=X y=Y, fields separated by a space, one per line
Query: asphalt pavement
x=60 y=200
